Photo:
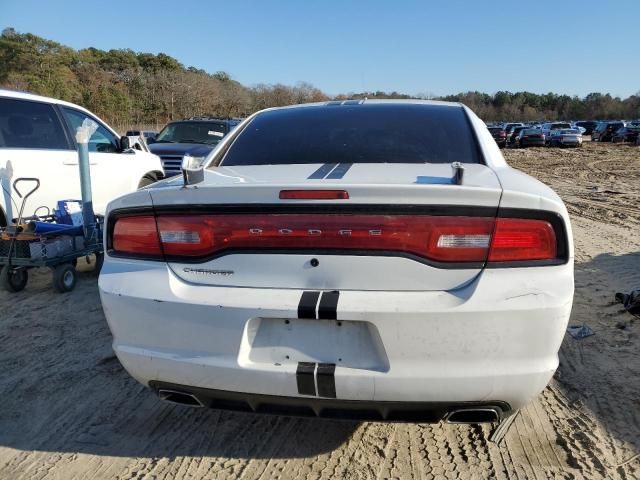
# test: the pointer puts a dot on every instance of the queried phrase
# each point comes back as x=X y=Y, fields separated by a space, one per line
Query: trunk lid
x=386 y=191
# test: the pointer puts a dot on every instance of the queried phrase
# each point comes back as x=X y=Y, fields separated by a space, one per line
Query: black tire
x=64 y=277
x=99 y=262
x=148 y=179
x=14 y=279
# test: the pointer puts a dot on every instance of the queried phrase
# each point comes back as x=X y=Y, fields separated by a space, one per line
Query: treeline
x=129 y=88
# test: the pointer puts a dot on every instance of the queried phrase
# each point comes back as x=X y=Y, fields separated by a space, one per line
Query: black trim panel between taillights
x=555 y=219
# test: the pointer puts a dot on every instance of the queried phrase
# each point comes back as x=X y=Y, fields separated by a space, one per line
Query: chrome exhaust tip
x=180 y=398
x=473 y=415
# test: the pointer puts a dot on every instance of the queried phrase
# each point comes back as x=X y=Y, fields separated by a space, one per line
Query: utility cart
x=50 y=240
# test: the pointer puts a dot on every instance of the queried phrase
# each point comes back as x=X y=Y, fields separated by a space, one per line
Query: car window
x=374 y=133
x=102 y=141
x=27 y=124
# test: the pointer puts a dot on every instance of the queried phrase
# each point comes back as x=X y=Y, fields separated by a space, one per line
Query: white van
x=37 y=139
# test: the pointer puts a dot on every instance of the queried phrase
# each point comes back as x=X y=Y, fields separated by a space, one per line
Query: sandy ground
x=70 y=411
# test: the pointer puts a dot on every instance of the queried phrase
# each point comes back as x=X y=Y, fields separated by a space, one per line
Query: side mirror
x=124 y=144
x=151 y=140
x=192 y=170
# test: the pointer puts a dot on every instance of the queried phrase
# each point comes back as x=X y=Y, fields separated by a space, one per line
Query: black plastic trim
x=328 y=308
x=325 y=377
x=307 y=305
x=360 y=410
x=305 y=378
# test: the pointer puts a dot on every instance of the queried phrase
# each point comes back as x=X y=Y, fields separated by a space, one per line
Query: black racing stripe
x=322 y=171
x=307 y=305
x=339 y=171
x=328 y=308
x=325 y=376
x=305 y=378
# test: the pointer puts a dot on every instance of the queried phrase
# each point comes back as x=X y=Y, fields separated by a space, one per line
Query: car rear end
x=334 y=265
x=532 y=137
x=567 y=138
x=499 y=135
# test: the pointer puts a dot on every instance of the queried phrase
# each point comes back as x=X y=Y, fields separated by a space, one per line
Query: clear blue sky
x=573 y=47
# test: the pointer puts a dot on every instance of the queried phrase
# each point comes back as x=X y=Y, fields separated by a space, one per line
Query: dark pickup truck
x=195 y=136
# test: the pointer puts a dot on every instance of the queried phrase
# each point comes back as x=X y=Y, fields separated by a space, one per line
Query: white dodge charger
x=375 y=260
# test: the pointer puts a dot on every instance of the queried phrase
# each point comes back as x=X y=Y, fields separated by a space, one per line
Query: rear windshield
x=531 y=131
x=495 y=129
x=570 y=132
x=373 y=133
x=555 y=126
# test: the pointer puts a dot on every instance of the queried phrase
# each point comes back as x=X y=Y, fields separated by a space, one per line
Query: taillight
x=189 y=236
x=136 y=235
x=442 y=239
x=522 y=240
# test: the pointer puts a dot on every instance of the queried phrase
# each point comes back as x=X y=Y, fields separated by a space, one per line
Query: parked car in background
x=529 y=137
x=508 y=128
x=605 y=130
x=331 y=261
x=513 y=133
x=37 y=139
x=195 y=136
x=588 y=126
x=146 y=134
x=627 y=134
x=565 y=137
x=548 y=126
x=499 y=135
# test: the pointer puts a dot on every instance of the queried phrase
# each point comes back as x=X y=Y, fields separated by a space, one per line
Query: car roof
x=8 y=93
x=366 y=101
x=20 y=95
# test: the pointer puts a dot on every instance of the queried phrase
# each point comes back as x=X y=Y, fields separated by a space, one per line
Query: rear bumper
x=493 y=340
x=361 y=410
x=533 y=143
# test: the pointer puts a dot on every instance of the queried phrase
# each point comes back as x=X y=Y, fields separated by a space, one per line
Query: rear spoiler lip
x=554 y=218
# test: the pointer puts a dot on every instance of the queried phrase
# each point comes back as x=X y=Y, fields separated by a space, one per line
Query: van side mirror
x=124 y=144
